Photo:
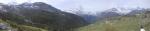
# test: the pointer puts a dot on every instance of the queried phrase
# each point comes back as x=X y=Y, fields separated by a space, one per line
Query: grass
x=21 y=27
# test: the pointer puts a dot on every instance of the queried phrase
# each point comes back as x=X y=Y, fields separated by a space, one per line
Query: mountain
x=121 y=23
x=136 y=11
x=88 y=17
x=41 y=15
x=114 y=12
x=110 y=13
x=39 y=5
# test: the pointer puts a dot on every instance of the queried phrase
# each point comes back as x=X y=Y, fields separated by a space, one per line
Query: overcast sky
x=89 y=5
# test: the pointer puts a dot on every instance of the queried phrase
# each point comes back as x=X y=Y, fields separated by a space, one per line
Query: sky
x=89 y=5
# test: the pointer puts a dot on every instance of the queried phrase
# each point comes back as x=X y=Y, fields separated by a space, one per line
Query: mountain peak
x=121 y=11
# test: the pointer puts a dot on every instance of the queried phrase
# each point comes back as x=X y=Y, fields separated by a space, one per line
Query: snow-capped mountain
x=113 y=12
x=120 y=11
x=136 y=11
x=123 y=11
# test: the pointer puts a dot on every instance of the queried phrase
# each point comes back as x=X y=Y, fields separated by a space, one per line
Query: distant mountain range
x=113 y=12
x=120 y=12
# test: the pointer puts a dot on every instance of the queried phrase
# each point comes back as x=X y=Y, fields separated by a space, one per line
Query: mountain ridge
x=45 y=15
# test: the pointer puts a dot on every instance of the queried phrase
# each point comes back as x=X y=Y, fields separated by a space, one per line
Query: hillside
x=39 y=15
x=121 y=23
x=10 y=26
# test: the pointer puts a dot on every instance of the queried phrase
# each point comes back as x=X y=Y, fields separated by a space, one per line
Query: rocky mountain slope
x=39 y=15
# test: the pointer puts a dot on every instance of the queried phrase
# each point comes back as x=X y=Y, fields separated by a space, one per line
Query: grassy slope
x=22 y=27
x=122 y=23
